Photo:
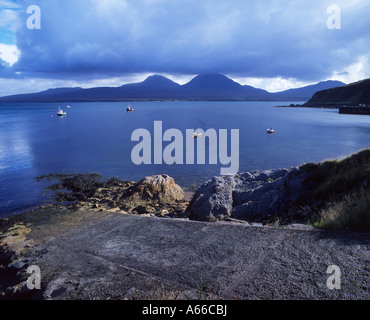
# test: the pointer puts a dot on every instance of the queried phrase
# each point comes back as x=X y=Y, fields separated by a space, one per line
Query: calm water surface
x=96 y=137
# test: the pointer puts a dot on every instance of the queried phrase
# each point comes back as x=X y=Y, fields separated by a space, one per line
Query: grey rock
x=251 y=196
x=144 y=209
x=118 y=253
x=213 y=200
x=276 y=174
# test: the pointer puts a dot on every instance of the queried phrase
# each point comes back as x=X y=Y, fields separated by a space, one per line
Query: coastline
x=91 y=254
x=221 y=196
x=147 y=235
x=342 y=109
x=309 y=106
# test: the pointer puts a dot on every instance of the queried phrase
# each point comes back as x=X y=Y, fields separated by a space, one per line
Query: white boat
x=61 y=113
x=196 y=135
x=129 y=109
x=270 y=130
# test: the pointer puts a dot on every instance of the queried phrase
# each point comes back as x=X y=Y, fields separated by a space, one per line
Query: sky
x=271 y=44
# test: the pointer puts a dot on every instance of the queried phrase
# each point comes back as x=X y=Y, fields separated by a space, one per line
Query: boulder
x=253 y=196
x=152 y=190
x=213 y=200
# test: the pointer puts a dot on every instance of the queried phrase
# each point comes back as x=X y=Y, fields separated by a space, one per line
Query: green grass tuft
x=337 y=177
x=345 y=184
x=352 y=213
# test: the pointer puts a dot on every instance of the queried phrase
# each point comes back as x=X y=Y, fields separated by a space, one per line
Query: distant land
x=353 y=94
x=156 y=87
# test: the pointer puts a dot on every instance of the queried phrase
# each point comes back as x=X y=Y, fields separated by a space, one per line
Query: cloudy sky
x=270 y=44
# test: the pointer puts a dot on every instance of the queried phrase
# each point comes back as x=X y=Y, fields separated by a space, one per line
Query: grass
x=352 y=213
x=345 y=185
x=337 y=177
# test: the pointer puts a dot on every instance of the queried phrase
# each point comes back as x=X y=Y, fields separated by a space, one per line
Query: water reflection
x=15 y=150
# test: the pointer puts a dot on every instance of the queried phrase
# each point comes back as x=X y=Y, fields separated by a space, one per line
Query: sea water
x=96 y=138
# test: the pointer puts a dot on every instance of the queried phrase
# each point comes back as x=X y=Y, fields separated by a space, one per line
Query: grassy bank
x=352 y=213
x=344 y=185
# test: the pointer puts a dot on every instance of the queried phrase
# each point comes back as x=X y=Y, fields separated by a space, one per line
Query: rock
x=146 y=196
x=163 y=213
x=144 y=209
x=214 y=200
x=276 y=174
x=252 y=211
x=151 y=191
x=236 y=221
x=252 y=196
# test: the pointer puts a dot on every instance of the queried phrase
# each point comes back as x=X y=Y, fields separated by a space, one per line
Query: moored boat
x=196 y=135
x=61 y=113
x=129 y=109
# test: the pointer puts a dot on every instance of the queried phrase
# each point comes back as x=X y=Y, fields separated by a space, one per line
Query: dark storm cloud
x=289 y=39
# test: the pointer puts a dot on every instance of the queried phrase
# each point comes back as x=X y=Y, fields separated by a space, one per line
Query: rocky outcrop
x=214 y=200
x=155 y=190
x=14 y=246
x=259 y=196
x=157 y=195
x=151 y=195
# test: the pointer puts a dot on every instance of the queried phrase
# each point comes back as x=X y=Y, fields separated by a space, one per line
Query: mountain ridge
x=213 y=86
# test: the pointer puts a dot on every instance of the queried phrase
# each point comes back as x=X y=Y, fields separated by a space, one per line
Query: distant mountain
x=152 y=84
x=60 y=90
x=154 y=87
x=202 y=87
x=47 y=95
x=218 y=86
x=305 y=93
x=210 y=84
x=351 y=94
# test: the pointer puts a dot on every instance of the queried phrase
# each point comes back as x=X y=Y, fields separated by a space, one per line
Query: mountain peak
x=158 y=81
x=214 y=81
x=332 y=83
x=212 y=77
x=156 y=78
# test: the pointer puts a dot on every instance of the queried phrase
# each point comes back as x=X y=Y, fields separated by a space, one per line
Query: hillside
x=307 y=92
x=351 y=94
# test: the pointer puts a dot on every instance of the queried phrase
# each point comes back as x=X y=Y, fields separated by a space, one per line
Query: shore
x=91 y=254
x=342 y=108
x=241 y=237
x=310 y=106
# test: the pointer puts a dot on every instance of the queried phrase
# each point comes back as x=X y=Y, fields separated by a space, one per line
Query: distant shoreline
x=146 y=100
x=307 y=106
x=342 y=109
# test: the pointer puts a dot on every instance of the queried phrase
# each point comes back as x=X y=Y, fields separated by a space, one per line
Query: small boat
x=196 y=135
x=61 y=113
x=129 y=109
x=270 y=130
